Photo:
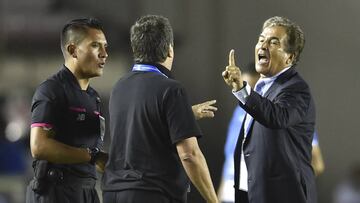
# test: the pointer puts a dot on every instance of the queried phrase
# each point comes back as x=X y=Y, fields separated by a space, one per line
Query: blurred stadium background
x=204 y=31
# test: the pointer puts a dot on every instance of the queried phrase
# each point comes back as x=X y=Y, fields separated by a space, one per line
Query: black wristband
x=93 y=154
x=244 y=85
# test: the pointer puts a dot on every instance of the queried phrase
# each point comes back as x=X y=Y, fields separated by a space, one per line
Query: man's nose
x=103 y=53
x=264 y=45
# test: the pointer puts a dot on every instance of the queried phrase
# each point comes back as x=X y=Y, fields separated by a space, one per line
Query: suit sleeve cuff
x=243 y=93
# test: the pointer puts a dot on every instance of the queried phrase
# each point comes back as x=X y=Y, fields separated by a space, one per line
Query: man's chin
x=96 y=74
x=261 y=68
x=99 y=72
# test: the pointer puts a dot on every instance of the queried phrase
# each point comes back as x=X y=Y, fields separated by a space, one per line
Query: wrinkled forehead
x=275 y=31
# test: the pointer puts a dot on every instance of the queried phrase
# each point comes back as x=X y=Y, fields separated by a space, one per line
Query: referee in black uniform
x=67 y=124
x=153 y=131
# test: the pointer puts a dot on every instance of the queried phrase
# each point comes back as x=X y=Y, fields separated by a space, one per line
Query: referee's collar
x=161 y=68
x=72 y=79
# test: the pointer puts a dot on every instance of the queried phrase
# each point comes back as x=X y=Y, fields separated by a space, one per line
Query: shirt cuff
x=243 y=93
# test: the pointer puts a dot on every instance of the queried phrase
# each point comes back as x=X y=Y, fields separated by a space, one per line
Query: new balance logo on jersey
x=80 y=117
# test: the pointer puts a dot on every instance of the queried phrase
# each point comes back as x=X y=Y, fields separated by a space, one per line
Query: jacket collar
x=281 y=79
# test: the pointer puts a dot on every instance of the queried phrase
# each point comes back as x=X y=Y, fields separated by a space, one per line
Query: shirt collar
x=70 y=77
x=273 y=78
x=161 y=68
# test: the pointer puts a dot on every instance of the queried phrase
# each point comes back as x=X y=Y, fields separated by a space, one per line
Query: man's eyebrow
x=99 y=42
x=271 y=38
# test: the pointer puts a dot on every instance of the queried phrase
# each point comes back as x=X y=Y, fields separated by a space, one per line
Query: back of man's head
x=151 y=37
x=76 y=30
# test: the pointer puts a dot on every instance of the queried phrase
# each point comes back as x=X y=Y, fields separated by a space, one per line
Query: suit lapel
x=281 y=80
x=248 y=137
x=241 y=134
x=277 y=83
x=237 y=154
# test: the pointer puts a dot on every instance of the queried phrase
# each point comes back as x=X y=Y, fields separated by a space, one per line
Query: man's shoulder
x=51 y=87
x=292 y=78
x=154 y=81
x=54 y=80
x=172 y=87
x=298 y=81
x=172 y=83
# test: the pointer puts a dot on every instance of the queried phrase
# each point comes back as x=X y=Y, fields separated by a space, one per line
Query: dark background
x=204 y=32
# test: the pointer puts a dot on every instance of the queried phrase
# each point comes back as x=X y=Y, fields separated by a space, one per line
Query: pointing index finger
x=232 y=58
x=211 y=102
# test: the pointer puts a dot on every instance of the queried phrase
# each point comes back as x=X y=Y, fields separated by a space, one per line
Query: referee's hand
x=100 y=162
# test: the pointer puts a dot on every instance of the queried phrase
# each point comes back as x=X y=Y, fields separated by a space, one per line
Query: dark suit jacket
x=278 y=148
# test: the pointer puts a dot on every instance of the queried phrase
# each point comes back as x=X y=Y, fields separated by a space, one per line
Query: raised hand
x=232 y=74
x=204 y=110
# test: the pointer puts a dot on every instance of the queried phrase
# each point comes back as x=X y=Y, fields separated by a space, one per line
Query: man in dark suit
x=273 y=153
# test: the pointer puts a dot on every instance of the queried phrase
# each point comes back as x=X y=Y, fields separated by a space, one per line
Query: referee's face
x=91 y=54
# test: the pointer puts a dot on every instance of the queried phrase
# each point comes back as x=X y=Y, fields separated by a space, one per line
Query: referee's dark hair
x=151 y=37
x=75 y=31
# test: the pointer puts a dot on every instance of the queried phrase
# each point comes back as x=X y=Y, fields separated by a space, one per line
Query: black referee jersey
x=75 y=116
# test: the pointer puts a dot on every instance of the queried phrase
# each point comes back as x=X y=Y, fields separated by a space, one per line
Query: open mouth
x=263 y=57
x=101 y=65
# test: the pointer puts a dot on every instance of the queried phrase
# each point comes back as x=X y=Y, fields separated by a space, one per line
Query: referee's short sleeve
x=179 y=115
x=43 y=109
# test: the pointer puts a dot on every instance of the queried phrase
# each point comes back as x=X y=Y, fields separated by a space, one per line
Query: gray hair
x=295 y=36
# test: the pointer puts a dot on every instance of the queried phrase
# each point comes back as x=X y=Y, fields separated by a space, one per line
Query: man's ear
x=291 y=59
x=71 y=49
x=171 y=51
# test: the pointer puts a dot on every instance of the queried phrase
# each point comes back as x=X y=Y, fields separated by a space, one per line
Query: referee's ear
x=71 y=50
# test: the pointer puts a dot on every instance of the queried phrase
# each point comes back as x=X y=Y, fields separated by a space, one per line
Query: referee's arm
x=44 y=147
